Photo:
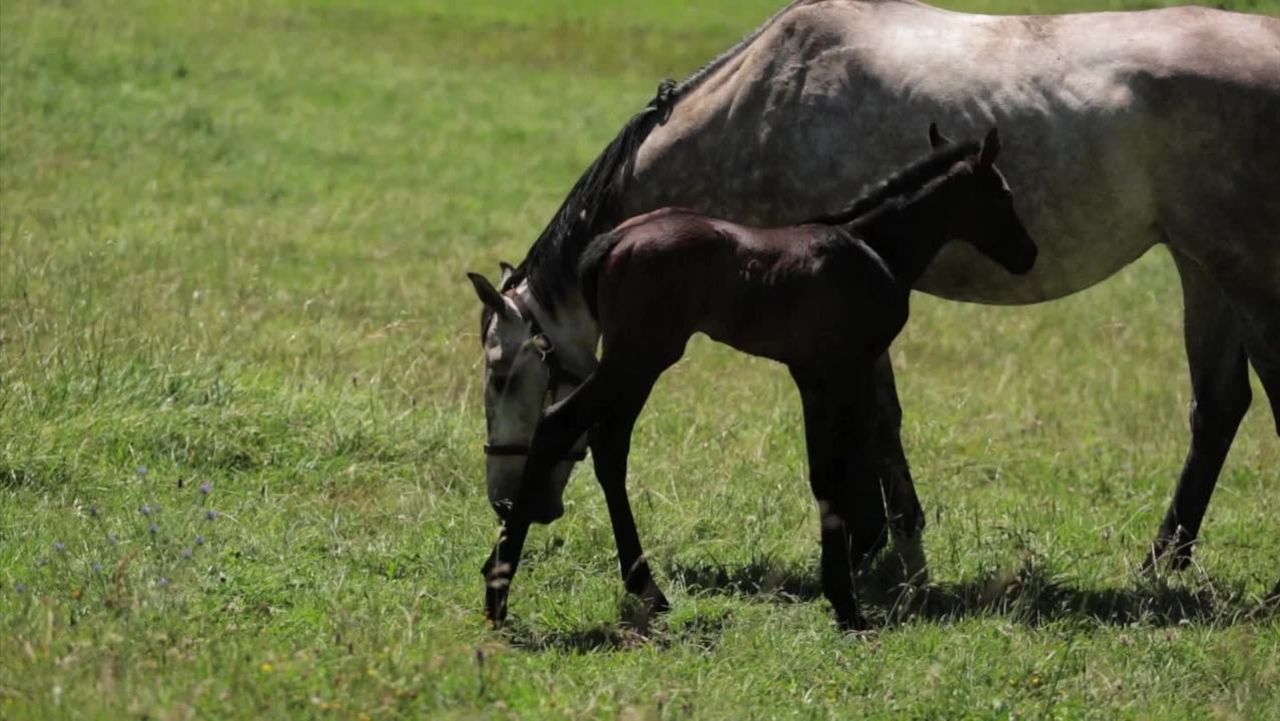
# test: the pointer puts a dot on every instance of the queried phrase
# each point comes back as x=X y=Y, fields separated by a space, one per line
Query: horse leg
x=561 y=425
x=500 y=569
x=610 y=446
x=837 y=564
x=1220 y=396
x=906 y=517
x=1260 y=326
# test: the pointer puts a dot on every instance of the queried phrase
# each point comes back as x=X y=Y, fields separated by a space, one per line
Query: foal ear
x=990 y=149
x=507 y=271
x=487 y=293
x=937 y=139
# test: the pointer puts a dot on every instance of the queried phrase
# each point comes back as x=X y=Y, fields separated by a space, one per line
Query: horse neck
x=909 y=235
x=569 y=324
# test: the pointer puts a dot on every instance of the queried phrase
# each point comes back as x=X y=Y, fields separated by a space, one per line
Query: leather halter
x=558 y=375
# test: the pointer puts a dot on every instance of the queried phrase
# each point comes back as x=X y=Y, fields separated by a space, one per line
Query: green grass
x=232 y=244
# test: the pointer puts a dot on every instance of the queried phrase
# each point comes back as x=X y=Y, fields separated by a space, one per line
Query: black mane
x=902 y=183
x=551 y=267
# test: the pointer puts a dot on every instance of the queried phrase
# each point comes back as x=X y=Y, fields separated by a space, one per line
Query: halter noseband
x=558 y=375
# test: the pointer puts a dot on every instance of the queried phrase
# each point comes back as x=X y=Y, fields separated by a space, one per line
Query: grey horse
x=1133 y=129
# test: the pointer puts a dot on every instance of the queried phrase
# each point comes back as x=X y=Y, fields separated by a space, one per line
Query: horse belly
x=812 y=124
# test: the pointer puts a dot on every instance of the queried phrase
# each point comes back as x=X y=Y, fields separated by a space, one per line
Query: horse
x=825 y=298
x=1135 y=129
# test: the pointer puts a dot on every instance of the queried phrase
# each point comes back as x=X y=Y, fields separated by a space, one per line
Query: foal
x=825 y=298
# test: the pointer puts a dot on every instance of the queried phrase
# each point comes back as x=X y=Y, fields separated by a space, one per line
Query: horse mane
x=905 y=182
x=552 y=263
x=551 y=266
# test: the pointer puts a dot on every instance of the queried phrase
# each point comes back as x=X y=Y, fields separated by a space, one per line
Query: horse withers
x=825 y=298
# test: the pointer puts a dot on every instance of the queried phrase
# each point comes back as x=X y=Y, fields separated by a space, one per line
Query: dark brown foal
x=824 y=298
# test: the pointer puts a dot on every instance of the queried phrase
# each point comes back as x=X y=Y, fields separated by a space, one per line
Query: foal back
x=796 y=294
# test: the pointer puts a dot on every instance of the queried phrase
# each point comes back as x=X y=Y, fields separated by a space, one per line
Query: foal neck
x=908 y=233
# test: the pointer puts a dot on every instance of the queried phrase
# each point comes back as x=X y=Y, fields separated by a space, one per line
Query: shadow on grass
x=636 y=632
x=1031 y=594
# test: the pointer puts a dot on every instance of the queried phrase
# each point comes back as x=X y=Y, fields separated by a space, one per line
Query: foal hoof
x=854 y=625
x=638 y=610
x=654 y=600
x=495 y=600
x=910 y=554
x=1173 y=553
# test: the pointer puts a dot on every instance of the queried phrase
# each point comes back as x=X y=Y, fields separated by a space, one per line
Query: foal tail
x=589 y=267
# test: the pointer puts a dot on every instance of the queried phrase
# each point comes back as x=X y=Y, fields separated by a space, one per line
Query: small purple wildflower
x=59 y=547
x=93 y=511
x=142 y=471
x=206 y=488
x=162 y=582
x=187 y=553
x=97 y=568
x=211 y=515
x=21 y=588
x=146 y=509
x=199 y=540
x=153 y=529
x=112 y=539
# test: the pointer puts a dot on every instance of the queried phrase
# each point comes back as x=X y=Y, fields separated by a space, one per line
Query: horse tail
x=589 y=267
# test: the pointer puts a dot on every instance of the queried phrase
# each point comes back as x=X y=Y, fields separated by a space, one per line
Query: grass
x=232 y=246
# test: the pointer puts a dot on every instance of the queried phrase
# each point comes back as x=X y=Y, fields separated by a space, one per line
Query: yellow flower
x=267 y=667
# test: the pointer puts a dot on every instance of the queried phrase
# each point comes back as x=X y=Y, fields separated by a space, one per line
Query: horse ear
x=487 y=293
x=990 y=149
x=937 y=139
x=507 y=271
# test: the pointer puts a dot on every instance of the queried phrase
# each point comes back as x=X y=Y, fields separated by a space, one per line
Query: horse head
x=523 y=374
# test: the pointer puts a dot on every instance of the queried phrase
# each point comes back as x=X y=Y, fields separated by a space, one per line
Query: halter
x=557 y=376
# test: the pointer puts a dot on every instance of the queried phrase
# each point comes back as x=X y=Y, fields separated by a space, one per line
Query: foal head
x=984 y=216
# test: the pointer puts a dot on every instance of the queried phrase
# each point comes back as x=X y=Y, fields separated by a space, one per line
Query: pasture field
x=240 y=418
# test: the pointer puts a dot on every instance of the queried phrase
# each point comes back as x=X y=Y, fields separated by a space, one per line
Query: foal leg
x=610 y=446
x=854 y=426
x=1220 y=396
x=561 y=426
x=906 y=517
x=837 y=564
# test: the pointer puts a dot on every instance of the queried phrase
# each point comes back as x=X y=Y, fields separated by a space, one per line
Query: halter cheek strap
x=558 y=376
